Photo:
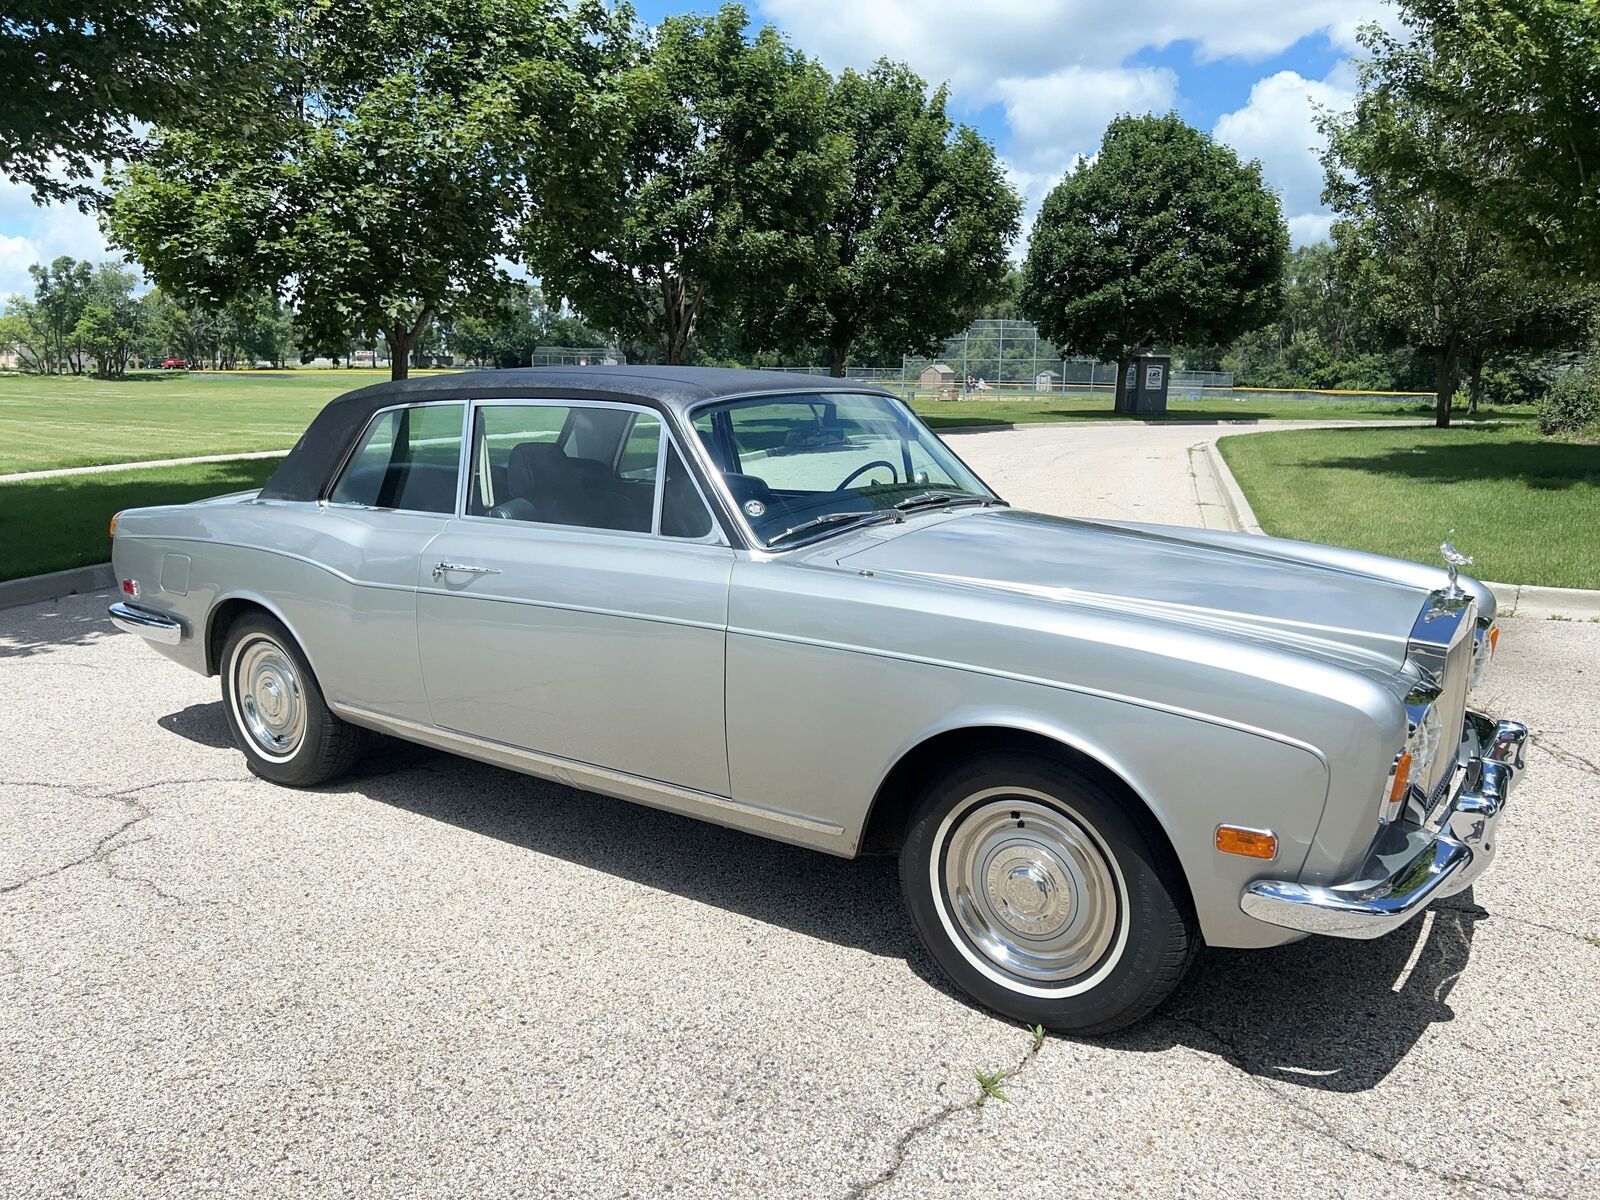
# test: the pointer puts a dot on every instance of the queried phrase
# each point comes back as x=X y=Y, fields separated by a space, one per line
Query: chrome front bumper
x=1411 y=865
x=153 y=625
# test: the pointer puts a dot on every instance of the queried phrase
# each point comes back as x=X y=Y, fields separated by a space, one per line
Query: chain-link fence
x=574 y=356
x=1009 y=356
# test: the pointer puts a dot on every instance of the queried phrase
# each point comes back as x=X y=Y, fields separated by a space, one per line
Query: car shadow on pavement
x=1322 y=1013
x=1325 y=1013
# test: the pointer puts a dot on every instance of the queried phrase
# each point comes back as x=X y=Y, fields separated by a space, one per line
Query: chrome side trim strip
x=590 y=777
x=155 y=626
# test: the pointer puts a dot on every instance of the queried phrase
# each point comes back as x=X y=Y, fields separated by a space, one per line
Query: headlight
x=1488 y=637
x=1424 y=733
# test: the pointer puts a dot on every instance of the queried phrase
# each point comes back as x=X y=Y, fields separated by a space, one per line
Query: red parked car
x=174 y=364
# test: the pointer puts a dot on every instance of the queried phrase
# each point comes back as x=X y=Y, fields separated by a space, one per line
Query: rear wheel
x=1043 y=898
x=276 y=711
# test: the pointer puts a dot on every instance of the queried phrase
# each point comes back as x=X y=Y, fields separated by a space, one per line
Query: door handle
x=439 y=569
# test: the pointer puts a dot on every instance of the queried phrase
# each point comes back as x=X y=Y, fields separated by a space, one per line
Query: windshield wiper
x=929 y=499
x=858 y=518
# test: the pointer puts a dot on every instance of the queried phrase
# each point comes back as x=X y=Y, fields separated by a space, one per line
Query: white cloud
x=31 y=233
x=1057 y=117
x=1059 y=69
x=972 y=45
x=1278 y=126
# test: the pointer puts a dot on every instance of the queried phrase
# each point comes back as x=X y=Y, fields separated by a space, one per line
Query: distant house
x=941 y=377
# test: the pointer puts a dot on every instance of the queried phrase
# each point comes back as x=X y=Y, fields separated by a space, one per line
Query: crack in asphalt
x=107 y=845
x=1478 y=912
x=1314 y=1122
x=1564 y=756
x=902 y=1146
x=102 y=848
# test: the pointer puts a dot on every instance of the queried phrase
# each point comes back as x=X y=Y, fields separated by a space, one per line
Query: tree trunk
x=400 y=343
x=836 y=357
x=1474 y=383
x=1447 y=379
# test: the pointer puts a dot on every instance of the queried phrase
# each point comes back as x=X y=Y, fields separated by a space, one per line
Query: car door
x=356 y=610
x=577 y=607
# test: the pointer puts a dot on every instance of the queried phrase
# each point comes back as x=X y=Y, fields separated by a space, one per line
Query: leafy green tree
x=19 y=334
x=60 y=292
x=915 y=242
x=374 y=169
x=1435 y=276
x=79 y=78
x=722 y=170
x=109 y=325
x=1165 y=237
x=1514 y=87
x=504 y=334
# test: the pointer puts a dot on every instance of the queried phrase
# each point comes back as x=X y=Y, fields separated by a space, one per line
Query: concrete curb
x=1515 y=599
x=1234 y=499
x=149 y=464
x=31 y=589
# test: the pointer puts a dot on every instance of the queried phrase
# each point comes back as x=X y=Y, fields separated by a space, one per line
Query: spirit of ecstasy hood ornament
x=1454 y=561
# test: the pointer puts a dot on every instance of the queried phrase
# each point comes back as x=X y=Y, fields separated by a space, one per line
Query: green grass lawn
x=53 y=524
x=72 y=422
x=1526 y=507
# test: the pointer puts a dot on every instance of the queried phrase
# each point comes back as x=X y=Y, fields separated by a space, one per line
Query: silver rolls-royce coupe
x=778 y=602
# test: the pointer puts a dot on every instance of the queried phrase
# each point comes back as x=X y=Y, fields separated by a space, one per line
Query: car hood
x=1261 y=589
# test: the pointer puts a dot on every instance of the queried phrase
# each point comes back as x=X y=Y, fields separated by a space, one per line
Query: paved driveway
x=442 y=978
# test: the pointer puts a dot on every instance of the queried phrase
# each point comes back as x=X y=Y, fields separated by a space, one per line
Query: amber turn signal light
x=1248 y=843
x=1494 y=638
x=1402 y=778
x=112 y=532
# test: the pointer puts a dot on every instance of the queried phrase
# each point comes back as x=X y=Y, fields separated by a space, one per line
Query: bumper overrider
x=1411 y=865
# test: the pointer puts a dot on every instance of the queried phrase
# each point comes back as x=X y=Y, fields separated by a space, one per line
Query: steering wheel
x=864 y=468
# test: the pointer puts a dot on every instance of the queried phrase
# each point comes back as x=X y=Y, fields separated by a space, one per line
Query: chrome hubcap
x=271 y=705
x=1031 y=888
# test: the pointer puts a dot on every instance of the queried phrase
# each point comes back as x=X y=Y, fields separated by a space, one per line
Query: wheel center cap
x=1029 y=894
x=270 y=698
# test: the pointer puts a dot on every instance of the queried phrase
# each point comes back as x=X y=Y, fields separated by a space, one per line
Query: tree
x=375 y=169
x=915 y=242
x=504 y=334
x=60 y=291
x=1165 y=237
x=111 y=320
x=1515 y=86
x=722 y=171
x=81 y=77
x=1437 y=277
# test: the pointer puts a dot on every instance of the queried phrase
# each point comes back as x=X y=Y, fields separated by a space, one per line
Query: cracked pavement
x=440 y=977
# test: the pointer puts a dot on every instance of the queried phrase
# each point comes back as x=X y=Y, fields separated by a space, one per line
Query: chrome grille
x=1442 y=644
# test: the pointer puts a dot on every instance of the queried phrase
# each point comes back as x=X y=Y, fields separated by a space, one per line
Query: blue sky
x=1039 y=78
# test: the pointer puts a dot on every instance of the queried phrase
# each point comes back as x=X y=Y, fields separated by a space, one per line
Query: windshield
x=812 y=464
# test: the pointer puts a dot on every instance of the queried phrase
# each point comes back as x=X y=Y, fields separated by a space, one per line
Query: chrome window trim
x=716 y=537
x=324 y=499
x=747 y=533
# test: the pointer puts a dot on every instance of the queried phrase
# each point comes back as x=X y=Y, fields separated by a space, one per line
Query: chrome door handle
x=439 y=568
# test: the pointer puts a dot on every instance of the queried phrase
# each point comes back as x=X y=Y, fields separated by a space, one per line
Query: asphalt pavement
x=440 y=978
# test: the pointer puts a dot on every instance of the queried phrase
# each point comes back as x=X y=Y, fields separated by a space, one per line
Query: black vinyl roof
x=321 y=448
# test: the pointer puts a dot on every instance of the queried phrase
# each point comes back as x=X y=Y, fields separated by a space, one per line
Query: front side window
x=408 y=458
x=594 y=468
x=803 y=465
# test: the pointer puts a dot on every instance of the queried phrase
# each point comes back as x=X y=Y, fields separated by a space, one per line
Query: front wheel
x=276 y=711
x=1043 y=898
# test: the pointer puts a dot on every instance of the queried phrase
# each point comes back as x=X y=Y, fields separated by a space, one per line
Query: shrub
x=1572 y=405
